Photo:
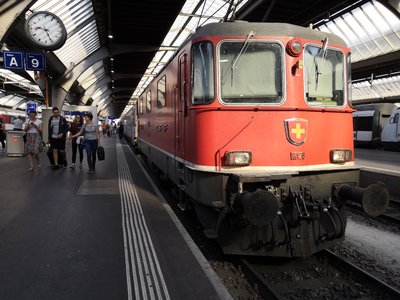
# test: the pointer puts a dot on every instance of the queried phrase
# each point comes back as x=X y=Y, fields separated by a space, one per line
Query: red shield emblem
x=296 y=131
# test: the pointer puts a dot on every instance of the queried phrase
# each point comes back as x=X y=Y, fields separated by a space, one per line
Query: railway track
x=315 y=277
x=391 y=217
x=392 y=213
x=321 y=276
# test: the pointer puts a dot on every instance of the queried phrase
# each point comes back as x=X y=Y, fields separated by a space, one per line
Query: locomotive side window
x=148 y=101
x=161 y=92
x=349 y=84
x=202 y=77
x=364 y=123
x=324 y=76
x=251 y=72
x=141 y=106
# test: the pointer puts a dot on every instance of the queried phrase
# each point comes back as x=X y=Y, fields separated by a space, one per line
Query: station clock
x=46 y=30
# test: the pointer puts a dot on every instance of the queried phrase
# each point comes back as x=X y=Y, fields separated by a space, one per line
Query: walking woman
x=33 y=128
x=76 y=126
x=91 y=139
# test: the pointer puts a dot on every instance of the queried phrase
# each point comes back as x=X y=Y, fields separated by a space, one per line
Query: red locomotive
x=252 y=122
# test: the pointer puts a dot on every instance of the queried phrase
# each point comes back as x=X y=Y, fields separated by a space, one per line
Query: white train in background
x=390 y=136
x=369 y=123
x=129 y=122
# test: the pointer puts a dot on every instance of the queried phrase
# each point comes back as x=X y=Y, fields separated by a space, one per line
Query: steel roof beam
x=10 y=16
x=93 y=88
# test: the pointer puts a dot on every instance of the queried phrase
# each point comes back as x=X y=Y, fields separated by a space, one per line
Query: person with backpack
x=58 y=127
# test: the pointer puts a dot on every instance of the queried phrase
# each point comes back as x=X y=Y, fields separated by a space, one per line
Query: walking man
x=58 y=128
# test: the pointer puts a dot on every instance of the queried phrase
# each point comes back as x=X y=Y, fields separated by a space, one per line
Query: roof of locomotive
x=265 y=29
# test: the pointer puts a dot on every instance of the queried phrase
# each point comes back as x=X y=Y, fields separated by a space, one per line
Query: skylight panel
x=10 y=100
x=189 y=6
x=370 y=30
x=73 y=12
x=392 y=19
x=374 y=15
x=99 y=91
x=386 y=87
x=80 y=45
x=10 y=77
x=87 y=74
x=191 y=16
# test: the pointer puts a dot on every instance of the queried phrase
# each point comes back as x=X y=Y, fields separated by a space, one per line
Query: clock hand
x=47 y=32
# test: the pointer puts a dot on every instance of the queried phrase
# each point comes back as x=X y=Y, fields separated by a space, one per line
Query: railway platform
x=379 y=166
x=68 y=234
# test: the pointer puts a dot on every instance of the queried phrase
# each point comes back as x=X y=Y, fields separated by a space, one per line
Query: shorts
x=57 y=143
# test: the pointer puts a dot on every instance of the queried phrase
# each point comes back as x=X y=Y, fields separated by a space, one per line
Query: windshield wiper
x=319 y=70
x=245 y=45
x=243 y=49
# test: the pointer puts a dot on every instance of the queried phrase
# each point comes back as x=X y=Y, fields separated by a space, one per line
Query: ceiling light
x=110 y=36
x=327 y=17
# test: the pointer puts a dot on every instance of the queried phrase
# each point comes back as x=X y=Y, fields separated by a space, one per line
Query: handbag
x=100 y=153
x=42 y=145
x=80 y=141
x=83 y=144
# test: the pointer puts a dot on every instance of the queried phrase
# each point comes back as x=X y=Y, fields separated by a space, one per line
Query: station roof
x=145 y=35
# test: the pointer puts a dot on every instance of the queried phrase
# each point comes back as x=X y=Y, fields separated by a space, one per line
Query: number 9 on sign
x=35 y=61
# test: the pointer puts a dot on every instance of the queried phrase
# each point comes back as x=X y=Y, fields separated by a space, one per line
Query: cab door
x=181 y=107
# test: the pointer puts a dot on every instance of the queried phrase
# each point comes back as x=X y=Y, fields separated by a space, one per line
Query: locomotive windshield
x=256 y=78
x=324 y=76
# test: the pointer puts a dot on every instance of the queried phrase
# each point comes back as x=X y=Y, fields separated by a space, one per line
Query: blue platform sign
x=30 y=106
x=35 y=61
x=13 y=60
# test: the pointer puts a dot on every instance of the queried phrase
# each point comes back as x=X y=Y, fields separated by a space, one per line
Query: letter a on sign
x=13 y=60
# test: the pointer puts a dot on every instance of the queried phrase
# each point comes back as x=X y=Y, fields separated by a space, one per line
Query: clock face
x=46 y=30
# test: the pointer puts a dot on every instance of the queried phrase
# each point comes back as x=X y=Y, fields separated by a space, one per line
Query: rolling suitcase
x=51 y=157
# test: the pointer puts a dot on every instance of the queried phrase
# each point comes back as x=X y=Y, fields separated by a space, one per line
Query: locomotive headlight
x=340 y=155
x=237 y=158
x=294 y=47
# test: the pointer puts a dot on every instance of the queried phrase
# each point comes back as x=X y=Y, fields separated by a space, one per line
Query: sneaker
x=72 y=166
x=39 y=166
x=91 y=171
x=80 y=165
